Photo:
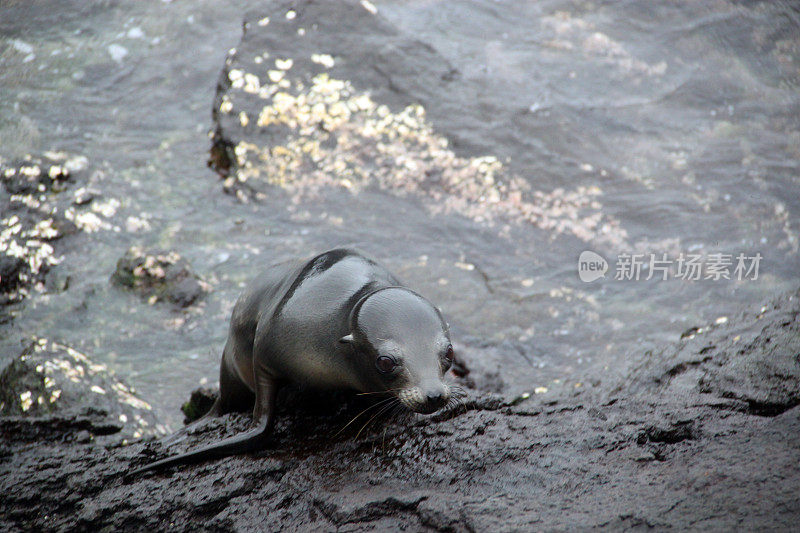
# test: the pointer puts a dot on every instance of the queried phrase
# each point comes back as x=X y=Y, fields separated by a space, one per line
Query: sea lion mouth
x=423 y=409
x=424 y=403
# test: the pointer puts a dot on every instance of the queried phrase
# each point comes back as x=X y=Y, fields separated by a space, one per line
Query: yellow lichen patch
x=325 y=60
x=128 y=398
x=106 y=208
x=340 y=137
x=252 y=84
x=25 y=400
x=28 y=243
x=284 y=64
x=235 y=75
x=66 y=363
x=87 y=221
x=369 y=6
x=44 y=229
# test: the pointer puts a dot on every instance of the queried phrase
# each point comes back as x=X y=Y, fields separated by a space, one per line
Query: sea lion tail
x=249 y=441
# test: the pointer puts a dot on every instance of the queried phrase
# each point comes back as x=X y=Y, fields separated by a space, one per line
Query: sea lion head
x=404 y=345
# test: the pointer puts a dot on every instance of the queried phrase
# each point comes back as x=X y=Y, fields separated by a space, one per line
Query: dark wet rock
x=753 y=367
x=185 y=292
x=159 y=276
x=345 y=42
x=50 y=388
x=27 y=247
x=672 y=446
x=670 y=433
x=199 y=403
x=35 y=174
x=30 y=223
x=10 y=269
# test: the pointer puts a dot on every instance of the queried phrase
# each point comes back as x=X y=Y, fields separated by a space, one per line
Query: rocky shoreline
x=327 y=129
x=702 y=435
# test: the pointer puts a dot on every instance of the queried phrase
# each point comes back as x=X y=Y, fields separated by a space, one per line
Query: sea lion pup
x=336 y=321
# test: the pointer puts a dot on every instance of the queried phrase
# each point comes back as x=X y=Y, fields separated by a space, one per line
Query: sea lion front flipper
x=248 y=441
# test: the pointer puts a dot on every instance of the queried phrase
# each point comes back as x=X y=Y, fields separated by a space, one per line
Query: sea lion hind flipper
x=249 y=441
x=181 y=433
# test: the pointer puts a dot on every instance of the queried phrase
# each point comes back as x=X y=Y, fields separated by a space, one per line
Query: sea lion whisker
x=461 y=396
x=398 y=408
x=388 y=410
x=453 y=404
x=456 y=389
x=374 y=417
x=374 y=405
x=464 y=407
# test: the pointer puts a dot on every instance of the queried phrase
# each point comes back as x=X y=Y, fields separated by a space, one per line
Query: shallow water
x=676 y=126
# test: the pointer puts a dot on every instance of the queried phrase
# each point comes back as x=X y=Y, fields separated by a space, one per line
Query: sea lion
x=336 y=321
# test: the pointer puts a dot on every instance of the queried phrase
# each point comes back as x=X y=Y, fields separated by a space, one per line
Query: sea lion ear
x=347 y=339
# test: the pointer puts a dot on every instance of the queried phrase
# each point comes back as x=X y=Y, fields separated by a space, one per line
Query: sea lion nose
x=436 y=397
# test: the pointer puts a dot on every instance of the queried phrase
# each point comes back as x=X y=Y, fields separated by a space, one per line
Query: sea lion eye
x=385 y=364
